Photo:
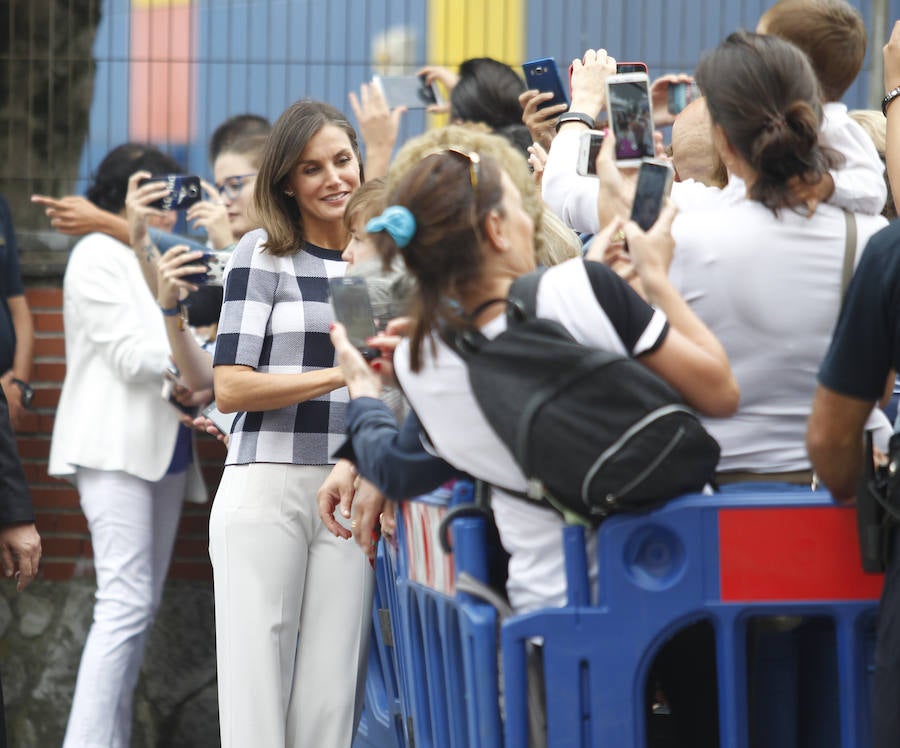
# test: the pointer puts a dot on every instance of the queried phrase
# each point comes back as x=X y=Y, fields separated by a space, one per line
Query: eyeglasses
x=232 y=186
x=474 y=163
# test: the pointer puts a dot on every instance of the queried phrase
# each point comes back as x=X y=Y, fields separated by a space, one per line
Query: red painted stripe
x=780 y=554
x=163 y=41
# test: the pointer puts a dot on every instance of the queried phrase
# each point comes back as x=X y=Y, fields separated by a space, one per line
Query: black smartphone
x=654 y=182
x=184 y=191
x=588 y=148
x=353 y=309
x=631 y=117
x=543 y=75
x=410 y=91
x=631 y=67
x=215 y=262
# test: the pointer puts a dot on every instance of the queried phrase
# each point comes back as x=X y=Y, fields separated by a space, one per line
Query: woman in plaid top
x=292 y=600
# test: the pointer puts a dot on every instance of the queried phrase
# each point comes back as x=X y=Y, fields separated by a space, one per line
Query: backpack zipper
x=620 y=442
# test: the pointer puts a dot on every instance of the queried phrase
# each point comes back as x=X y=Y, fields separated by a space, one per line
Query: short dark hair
x=832 y=33
x=236 y=128
x=763 y=93
x=488 y=91
x=110 y=182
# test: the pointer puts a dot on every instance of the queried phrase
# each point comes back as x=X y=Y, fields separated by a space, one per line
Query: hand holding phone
x=183 y=191
x=410 y=91
x=353 y=309
x=543 y=75
x=222 y=421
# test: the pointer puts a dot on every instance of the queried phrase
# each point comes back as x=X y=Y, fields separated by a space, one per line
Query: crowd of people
x=742 y=297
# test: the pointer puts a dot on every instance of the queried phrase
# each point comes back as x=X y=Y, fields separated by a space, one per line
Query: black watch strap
x=585 y=119
x=27 y=391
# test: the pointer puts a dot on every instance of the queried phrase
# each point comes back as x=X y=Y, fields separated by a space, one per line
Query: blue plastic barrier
x=751 y=551
x=447 y=642
x=382 y=724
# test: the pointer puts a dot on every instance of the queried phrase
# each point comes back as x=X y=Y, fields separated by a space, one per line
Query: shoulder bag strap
x=524 y=291
x=849 y=252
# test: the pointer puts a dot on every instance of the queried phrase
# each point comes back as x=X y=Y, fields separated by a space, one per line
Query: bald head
x=693 y=154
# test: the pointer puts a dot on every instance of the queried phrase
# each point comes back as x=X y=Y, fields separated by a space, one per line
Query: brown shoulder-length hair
x=276 y=211
x=761 y=90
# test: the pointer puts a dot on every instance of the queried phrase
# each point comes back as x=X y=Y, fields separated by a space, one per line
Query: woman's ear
x=495 y=230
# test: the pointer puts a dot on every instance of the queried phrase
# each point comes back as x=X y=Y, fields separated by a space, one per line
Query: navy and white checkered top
x=275 y=318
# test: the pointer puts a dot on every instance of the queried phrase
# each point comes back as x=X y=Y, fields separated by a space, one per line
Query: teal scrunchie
x=398 y=221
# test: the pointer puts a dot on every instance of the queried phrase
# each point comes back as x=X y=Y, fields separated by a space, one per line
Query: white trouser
x=293 y=611
x=133 y=523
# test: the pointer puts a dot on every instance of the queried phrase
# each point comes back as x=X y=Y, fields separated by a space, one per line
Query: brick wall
x=63 y=528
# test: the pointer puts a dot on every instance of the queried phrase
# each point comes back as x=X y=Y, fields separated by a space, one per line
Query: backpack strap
x=523 y=292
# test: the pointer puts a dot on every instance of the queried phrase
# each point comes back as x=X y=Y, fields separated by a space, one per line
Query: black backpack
x=594 y=432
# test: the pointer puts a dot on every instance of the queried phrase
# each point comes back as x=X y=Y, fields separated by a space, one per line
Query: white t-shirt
x=770 y=290
x=598 y=309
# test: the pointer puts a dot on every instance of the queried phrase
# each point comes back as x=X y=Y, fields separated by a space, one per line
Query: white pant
x=133 y=523
x=293 y=611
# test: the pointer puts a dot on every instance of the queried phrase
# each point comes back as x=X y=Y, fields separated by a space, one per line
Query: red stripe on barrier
x=777 y=554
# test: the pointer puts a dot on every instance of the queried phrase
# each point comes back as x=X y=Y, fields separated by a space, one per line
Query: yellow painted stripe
x=460 y=29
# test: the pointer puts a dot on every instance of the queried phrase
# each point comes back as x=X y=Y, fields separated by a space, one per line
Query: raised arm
x=77 y=215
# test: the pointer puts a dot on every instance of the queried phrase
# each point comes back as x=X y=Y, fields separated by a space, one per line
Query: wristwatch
x=889 y=97
x=27 y=391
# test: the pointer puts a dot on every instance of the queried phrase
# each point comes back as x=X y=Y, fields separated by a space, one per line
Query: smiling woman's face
x=324 y=178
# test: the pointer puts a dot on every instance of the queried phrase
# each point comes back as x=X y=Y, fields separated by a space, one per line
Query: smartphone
x=544 y=76
x=680 y=95
x=184 y=191
x=215 y=268
x=222 y=421
x=630 y=116
x=631 y=67
x=410 y=91
x=171 y=380
x=353 y=309
x=653 y=185
x=588 y=148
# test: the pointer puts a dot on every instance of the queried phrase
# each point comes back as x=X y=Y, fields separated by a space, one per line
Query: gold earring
x=289 y=193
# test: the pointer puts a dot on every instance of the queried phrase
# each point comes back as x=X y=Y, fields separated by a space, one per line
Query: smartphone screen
x=588 y=148
x=353 y=309
x=628 y=98
x=654 y=180
x=543 y=75
x=410 y=91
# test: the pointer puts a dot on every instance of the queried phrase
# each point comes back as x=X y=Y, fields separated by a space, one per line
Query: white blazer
x=111 y=415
